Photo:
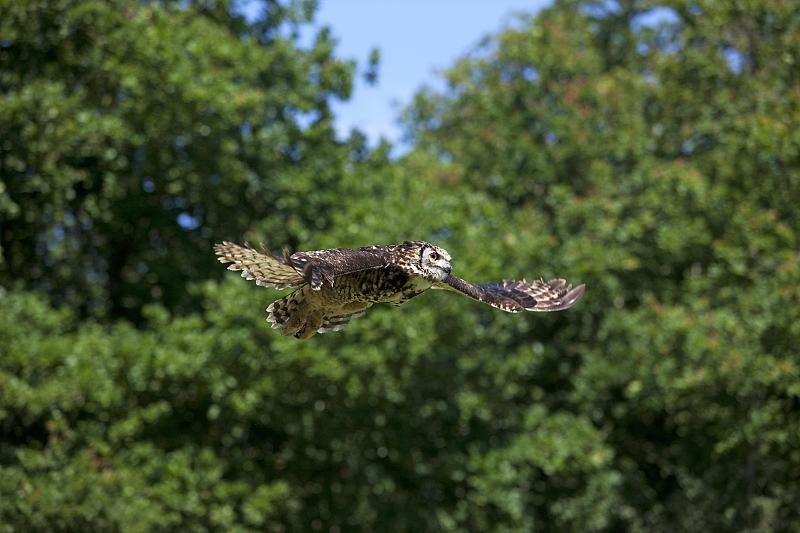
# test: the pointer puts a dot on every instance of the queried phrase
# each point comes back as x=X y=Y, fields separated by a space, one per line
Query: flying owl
x=334 y=286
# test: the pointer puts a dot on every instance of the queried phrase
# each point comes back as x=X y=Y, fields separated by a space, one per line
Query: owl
x=334 y=286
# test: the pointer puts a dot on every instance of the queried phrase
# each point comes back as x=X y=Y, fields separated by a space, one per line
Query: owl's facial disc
x=435 y=263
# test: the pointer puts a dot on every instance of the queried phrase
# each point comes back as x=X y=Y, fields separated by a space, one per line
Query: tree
x=662 y=152
x=135 y=133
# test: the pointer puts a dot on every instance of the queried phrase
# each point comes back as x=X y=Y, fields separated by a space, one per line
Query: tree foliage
x=649 y=149
x=134 y=133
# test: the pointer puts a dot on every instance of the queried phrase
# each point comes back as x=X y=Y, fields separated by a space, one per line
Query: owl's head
x=434 y=262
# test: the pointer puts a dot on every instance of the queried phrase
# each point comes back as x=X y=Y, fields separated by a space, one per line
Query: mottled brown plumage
x=334 y=286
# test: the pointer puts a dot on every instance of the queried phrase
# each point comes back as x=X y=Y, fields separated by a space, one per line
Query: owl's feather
x=326 y=265
x=265 y=269
x=338 y=322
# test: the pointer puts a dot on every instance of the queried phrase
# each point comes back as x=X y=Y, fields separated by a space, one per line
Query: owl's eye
x=433 y=256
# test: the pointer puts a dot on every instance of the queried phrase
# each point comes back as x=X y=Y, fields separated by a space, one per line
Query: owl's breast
x=413 y=286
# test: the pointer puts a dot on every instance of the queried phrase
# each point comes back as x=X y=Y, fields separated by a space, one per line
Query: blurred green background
x=655 y=158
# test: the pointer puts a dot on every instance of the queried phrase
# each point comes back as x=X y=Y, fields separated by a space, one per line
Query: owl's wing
x=518 y=296
x=326 y=265
x=265 y=269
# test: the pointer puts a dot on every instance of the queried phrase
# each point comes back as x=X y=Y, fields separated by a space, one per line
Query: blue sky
x=415 y=38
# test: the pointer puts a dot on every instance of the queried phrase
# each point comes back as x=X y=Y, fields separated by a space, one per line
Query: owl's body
x=336 y=285
x=307 y=311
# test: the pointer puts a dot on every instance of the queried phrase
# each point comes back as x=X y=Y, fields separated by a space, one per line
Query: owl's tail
x=291 y=315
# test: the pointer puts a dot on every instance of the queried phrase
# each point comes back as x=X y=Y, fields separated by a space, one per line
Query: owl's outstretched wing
x=326 y=265
x=313 y=267
x=265 y=269
x=518 y=296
